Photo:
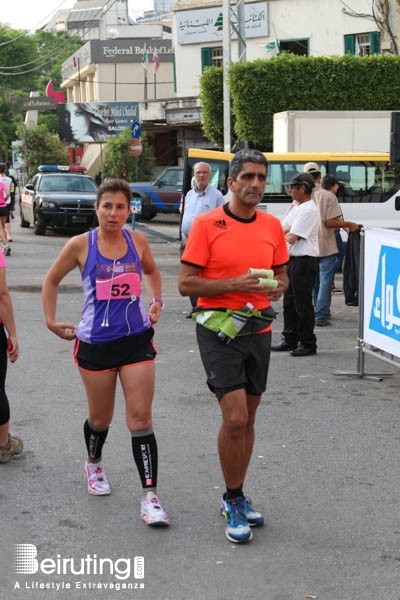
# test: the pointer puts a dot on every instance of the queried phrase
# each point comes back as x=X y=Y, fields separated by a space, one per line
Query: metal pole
x=241 y=31
x=226 y=46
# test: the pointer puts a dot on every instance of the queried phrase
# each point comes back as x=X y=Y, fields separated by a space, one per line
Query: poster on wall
x=95 y=121
x=382 y=289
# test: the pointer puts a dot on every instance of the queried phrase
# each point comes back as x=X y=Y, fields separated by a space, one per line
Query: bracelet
x=158 y=301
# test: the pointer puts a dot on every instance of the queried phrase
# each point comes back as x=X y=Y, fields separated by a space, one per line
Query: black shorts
x=110 y=356
x=243 y=363
x=4 y=211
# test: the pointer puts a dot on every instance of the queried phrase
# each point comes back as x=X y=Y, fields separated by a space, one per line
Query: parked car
x=161 y=196
x=60 y=197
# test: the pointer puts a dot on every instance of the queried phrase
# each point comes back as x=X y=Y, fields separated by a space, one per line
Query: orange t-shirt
x=224 y=246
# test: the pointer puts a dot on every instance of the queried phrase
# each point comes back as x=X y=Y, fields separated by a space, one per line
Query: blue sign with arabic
x=385 y=312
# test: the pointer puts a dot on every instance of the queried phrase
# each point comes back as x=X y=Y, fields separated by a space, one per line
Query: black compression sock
x=94 y=441
x=233 y=493
x=145 y=453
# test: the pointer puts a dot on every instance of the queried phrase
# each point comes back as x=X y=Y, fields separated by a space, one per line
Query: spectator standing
x=222 y=246
x=10 y=445
x=200 y=199
x=13 y=188
x=114 y=337
x=5 y=187
x=300 y=225
x=331 y=218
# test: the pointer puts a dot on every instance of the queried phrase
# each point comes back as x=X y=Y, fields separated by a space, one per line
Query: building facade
x=167 y=86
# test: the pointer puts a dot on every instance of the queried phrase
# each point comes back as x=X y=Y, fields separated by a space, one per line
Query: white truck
x=332 y=131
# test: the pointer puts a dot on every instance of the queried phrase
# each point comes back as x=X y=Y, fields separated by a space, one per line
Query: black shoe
x=302 y=350
x=322 y=323
x=283 y=346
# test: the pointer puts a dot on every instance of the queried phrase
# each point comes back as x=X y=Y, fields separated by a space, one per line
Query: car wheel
x=23 y=222
x=39 y=225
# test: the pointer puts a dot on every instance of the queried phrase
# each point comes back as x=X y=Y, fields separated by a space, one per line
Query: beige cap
x=311 y=167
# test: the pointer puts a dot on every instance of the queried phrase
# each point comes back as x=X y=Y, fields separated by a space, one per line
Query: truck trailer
x=332 y=131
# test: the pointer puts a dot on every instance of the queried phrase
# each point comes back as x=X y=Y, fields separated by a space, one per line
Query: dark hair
x=253 y=156
x=328 y=181
x=114 y=186
x=305 y=179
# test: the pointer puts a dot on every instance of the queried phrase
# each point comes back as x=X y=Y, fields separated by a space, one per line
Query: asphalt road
x=324 y=469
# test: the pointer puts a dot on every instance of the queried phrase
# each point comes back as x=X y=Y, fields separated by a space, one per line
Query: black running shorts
x=243 y=363
x=129 y=350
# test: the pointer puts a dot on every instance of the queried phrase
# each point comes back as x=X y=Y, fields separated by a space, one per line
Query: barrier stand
x=360 y=372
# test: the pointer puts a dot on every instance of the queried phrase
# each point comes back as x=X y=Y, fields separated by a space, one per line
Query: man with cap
x=331 y=219
x=300 y=225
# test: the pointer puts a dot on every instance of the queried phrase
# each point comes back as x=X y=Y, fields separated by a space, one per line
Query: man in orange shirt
x=224 y=244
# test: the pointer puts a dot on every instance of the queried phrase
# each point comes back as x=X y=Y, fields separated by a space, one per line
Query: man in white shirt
x=200 y=199
x=301 y=226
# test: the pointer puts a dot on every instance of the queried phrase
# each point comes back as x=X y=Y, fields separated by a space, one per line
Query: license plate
x=76 y=219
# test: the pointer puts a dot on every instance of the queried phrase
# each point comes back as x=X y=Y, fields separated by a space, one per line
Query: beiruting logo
x=25 y=562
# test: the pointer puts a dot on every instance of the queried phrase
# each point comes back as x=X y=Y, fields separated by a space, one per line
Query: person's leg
x=3 y=232
x=289 y=333
x=10 y=445
x=327 y=267
x=303 y=279
x=100 y=391
x=137 y=383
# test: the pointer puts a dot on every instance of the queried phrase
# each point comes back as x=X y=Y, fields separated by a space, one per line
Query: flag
x=145 y=59
x=156 y=60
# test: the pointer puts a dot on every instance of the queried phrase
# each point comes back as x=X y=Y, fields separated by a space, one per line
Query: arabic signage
x=205 y=25
x=95 y=121
x=382 y=290
x=35 y=103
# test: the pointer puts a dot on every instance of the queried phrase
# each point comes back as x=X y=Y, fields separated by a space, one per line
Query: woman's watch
x=158 y=301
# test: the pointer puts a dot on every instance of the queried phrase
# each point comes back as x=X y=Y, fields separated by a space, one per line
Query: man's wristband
x=158 y=301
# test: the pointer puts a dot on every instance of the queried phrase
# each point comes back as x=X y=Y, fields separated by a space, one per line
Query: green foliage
x=41 y=147
x=289 y=82
x=211 y=98
x=119 y=163
x=28 y=63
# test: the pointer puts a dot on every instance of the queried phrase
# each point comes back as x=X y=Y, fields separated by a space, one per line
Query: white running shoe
x=152 y=512
x=97 y=480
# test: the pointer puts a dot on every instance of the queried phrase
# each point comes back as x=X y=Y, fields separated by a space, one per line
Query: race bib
x=123 y=286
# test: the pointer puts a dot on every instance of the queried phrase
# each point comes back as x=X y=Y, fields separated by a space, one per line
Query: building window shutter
x=375 y=40
x=349 y=44
x=206 y=58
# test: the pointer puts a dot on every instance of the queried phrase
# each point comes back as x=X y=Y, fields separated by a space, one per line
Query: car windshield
x=68 y=183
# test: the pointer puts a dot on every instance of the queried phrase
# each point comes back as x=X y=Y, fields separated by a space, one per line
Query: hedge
x=289 y=82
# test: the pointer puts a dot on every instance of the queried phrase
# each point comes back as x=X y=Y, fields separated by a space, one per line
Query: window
x=212 y=57
x=294 y=46
x=363 y=44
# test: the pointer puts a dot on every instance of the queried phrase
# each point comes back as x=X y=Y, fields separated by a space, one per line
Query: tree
x=40 y=147
x=119 y=163
x=28 y=62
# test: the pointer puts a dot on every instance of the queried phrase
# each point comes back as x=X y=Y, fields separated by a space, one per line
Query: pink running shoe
x=97 y=480
x=152 y=512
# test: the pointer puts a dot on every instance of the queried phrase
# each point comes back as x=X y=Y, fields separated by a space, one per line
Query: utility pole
x=226 y=48
x=238 y=26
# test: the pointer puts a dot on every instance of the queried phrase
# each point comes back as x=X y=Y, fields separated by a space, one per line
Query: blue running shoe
x=254 y=518
x=237 y=528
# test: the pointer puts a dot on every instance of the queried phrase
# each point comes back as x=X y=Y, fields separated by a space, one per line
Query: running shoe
x=254 y=518
x=237 y=527
x=7 y=250
x=97 y=480
x=13 y=447
x=152 y=512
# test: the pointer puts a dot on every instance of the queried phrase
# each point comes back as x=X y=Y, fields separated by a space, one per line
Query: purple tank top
x=112 y=306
